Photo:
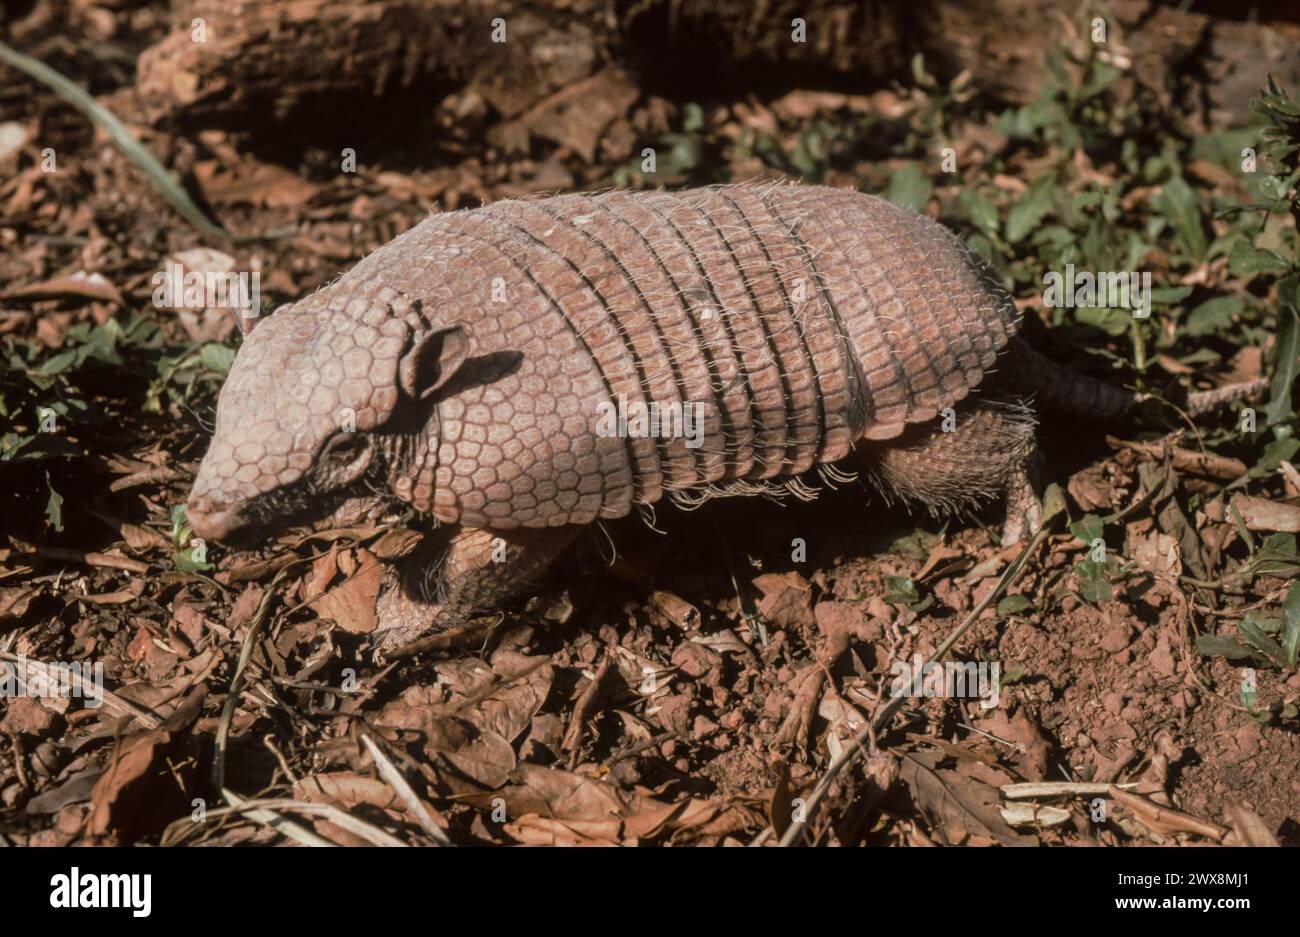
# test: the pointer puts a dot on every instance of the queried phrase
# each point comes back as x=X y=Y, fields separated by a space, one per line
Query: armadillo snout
x=212 y=520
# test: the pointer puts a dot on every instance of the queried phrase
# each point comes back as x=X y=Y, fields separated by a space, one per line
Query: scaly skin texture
x=463 y=370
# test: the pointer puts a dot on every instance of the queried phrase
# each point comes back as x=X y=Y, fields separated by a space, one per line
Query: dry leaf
x=144 y=787
x=956 y=807
x=81 y=284
x=14 y=601
x=1261 y=514
x=351 y=604
x=787 y=599
x=1248 y=828
x=347 y=789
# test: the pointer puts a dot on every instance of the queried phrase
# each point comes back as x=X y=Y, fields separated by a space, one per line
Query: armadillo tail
x=1059 y=388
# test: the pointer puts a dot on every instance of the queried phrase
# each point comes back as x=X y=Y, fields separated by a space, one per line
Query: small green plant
x=676 y=158
x=900 y=590
x=190 y=555
x=1269 y=640
x=92 y=393
x=1096 y=574
x=1266 y=639
x=1270 y=258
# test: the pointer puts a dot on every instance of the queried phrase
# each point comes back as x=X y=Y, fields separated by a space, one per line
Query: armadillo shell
x=801 y=318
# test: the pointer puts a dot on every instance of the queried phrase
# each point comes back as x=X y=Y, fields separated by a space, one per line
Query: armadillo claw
x=404 y=616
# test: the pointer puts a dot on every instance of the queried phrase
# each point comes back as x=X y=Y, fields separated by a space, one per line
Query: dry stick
x=269 y=741
x=1208 y=465
x=582 y=709
x=497 y=683
x=90 y=558
x=16 y=742
x=639 y=747
x=1240 y=610
x=1058 y=789
x=237 y=681
x=145 y=477
x=442 y=639
x=796 y=828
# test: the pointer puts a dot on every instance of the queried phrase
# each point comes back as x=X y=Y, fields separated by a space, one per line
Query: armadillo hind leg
x=466 y=571
x=982 y=450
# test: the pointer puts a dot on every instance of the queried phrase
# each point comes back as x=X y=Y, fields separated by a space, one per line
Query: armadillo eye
x=345 y=447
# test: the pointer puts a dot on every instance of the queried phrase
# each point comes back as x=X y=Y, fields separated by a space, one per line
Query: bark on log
x=270 y=57
x=265 y=59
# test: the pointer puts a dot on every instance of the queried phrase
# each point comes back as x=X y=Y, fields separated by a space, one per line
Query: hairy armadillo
x=523 y=370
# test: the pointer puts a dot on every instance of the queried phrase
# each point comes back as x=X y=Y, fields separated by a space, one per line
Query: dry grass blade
x=1035 y=815
x=111 y=701
x=399 y=784
x=1165 y=820
x=1057 y=789
x=267 y=817
x=264 y=811
x=128 y=144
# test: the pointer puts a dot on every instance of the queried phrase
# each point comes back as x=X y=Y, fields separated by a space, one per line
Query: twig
x=16 y=742
x=442 y=639
x=237 y=680
x=89 y=558
x=994 y=738
x=638 y=748
x=1058 y=789
x=796 y=829
x=269 y=741
x=1209 y=465
x=582 y=709
x=149 y=476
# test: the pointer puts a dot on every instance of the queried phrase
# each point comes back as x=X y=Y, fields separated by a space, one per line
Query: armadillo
x=492 y=369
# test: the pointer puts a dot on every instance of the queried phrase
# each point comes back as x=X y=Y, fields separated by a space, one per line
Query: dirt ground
x=679 y=677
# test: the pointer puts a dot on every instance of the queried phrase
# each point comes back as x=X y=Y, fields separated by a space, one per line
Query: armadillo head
x=316 y=403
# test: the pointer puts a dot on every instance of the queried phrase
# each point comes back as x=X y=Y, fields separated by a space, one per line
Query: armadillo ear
x=432 y=360
x=246 y=323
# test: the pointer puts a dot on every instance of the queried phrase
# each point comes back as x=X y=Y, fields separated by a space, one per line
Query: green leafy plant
x=900 y=590
x=187 y=557
x=1277 y=191
x=678 y=155
x=61 y=405
x=1268 y=640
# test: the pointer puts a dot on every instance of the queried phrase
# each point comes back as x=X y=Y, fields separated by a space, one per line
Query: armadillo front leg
x=467 y=570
